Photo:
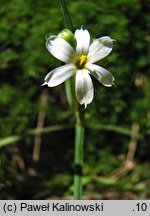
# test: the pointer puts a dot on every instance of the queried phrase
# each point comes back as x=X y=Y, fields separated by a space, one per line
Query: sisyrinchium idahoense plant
x=79 y=53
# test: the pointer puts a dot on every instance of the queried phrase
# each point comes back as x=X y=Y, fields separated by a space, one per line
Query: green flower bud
x=67 y=35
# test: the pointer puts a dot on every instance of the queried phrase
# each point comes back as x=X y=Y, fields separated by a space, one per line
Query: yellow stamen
x=81 y=62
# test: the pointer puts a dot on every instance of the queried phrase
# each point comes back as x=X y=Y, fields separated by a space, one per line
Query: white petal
x=100 y=48
x=84 y=87
x=60 y=49
x=83 y=41
x=59 y=75
x=101 y=74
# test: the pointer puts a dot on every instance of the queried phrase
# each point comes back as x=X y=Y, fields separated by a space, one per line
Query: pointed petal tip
x=113 y=84
x=83 y=28
x=85 y=106
x=44 y=84
x=110 y=85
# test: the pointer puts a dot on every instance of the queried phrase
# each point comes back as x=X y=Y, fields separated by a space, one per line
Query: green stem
x=66 y=15
x=69 y=84
x=78 y=160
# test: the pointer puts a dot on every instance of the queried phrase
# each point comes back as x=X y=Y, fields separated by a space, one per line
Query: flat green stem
x=78 y=160
x=69 y=84
x=66 y=15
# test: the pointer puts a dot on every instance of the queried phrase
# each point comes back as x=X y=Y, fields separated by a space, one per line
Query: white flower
x=79 y=62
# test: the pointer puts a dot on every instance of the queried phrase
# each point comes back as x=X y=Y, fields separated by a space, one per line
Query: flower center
x=81 y=62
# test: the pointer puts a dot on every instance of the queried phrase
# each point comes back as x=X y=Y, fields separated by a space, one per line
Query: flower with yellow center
x=79 y=58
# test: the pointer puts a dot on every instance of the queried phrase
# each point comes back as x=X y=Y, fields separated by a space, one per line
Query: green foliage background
x=24 y=62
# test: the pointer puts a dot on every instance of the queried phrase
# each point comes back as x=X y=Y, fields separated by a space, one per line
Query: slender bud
x=67 y=35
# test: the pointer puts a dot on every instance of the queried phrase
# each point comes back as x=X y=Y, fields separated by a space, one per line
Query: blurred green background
x=37 y=165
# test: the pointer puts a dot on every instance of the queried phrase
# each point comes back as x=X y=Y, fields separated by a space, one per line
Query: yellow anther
x=83 y=60
x=80 y=63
